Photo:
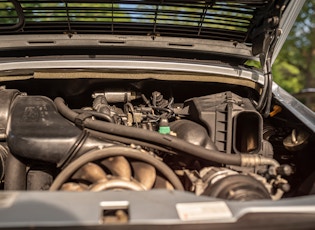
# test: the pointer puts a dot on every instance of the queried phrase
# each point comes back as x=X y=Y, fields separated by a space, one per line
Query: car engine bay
x=106 y=134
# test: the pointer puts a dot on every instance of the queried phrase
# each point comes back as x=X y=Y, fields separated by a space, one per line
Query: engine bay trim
x=119 y=65
x=132 y=76
x=231 y=48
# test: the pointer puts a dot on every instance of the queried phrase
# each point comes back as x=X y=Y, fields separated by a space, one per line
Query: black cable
x=126 y=140
x=163 y=109
x=153 y=137
x=269 y=93
x=170 y=103
x=113 y=152
x=145 y=99
x=264 y=102
x=129 y=107
x=262 y=99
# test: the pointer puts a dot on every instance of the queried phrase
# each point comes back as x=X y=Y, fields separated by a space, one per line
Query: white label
x=217 y=210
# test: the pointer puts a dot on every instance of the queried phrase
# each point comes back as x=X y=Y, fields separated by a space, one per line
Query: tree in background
x=294 y=68
x=61 y=11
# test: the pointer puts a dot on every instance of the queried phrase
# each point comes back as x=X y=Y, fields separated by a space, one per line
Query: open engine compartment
x=206 y=138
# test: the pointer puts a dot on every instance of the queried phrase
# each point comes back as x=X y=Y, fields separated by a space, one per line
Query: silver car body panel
x=63 y=209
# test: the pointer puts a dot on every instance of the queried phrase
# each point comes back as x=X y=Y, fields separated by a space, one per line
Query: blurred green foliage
x=294 y=69
x=98 y=12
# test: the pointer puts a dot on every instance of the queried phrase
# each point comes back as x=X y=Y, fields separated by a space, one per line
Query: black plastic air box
x=232 y=121
x=37 y=131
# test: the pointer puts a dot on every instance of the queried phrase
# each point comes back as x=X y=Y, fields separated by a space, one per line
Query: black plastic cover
x=193 y=133
x=37 y=131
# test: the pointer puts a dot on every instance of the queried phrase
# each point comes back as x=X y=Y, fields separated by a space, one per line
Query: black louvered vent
x=224 y=20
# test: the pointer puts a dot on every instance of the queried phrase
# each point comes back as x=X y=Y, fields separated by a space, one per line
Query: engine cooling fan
x=116 y=168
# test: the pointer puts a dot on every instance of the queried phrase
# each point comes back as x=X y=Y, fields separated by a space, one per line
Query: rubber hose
x=153 y=137
x=15 y=174
x=128 y=141
x=104 y=116
x=113 y=152
x=263 y=96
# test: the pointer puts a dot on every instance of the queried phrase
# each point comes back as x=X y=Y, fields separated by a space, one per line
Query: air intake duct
x=232 y=122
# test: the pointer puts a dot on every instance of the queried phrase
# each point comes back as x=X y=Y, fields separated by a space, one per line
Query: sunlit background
x=294 y=68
